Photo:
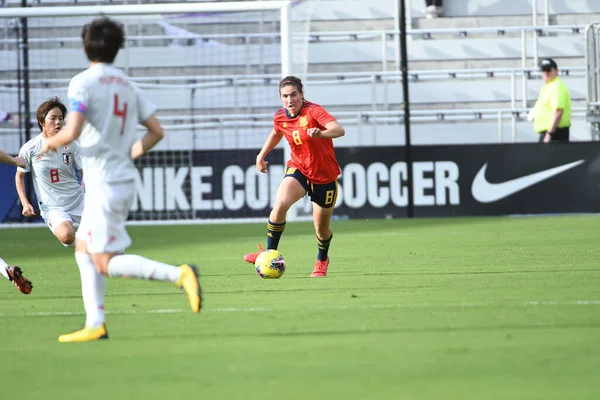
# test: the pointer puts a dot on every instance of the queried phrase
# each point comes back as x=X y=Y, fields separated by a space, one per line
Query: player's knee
x=66 y=236
x=101 y=265
x=101 y=262
x=102 y=268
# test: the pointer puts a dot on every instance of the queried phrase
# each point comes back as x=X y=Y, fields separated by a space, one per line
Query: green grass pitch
x=456 y=308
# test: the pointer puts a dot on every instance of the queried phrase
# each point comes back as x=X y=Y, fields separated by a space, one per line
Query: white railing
x=514 y=76
x=320 y=78
x=463 y=33
x=382 y=36
x=366 y=121
x=592 y=55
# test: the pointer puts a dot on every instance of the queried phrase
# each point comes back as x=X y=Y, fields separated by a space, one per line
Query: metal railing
x=592 y=54
x=384 y=37
x=385 y=79
x=524 y=73
x=380 y=111
x=367 y=122
x=318 y=78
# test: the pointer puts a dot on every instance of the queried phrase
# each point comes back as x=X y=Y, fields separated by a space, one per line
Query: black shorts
x=561 y=135
x=322 y=194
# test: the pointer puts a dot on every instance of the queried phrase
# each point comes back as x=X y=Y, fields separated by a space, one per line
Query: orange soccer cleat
x=22 y=284
x=251 y=257
x=320 y=268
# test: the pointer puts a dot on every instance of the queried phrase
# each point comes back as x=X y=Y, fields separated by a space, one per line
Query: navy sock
x=274 y=231
x=323 y=248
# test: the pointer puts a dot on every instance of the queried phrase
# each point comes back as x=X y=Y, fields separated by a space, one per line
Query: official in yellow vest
x=552 y=110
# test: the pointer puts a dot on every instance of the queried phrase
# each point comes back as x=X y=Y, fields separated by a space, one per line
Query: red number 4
x=122 y=113
x=54 y=175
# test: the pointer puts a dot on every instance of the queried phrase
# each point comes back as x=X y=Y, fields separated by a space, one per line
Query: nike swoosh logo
x=486 y=192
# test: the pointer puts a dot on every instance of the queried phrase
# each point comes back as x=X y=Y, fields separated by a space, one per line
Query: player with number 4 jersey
x=59 y=194
x=312 y=169
x=105 y=108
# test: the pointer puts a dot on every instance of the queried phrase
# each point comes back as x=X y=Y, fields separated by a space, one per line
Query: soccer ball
x=270 y=264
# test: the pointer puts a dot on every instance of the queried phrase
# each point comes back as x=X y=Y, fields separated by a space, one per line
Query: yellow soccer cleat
x=190 y=283
x=85 y=335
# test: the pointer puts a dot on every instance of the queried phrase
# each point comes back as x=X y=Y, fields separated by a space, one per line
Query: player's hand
x=261 y=165
x=28 y=210
x=547 y=138
x=314 y=132
x=19 y=162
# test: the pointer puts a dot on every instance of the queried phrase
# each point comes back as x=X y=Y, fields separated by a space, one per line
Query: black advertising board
x=448 y=181
x=205 y=185
x=471 y=180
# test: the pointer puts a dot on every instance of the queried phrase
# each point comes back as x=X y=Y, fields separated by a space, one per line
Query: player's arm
x=28 y=210
x=16 y=161
x=68 y=134
x=333 y=130
x=272 y=140
x=77 y=161
x=154 y=135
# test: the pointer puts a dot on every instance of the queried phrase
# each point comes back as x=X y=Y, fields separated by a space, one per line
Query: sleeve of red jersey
x=277 y=122
x=321 y=116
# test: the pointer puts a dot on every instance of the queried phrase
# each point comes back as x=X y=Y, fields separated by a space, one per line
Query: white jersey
x=113 y=106
x=54 y=179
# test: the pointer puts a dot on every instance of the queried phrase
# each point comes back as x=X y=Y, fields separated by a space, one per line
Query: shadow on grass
x=376 y=331
x=275 y=290
x=399 y=273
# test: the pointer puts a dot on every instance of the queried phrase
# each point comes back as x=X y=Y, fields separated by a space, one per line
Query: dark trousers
x=437 y=3
x=561 y=135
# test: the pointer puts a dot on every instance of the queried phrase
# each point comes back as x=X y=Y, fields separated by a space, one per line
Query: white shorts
x=106 y=208
x=54 y=217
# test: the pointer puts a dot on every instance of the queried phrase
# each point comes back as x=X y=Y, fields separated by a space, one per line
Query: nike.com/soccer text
x=377 y=185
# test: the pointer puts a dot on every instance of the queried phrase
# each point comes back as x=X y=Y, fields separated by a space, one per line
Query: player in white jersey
x=12 y=272
x=59 y=194
x=105 y=107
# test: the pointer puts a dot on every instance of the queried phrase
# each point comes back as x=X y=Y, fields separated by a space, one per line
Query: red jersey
x=314 y=157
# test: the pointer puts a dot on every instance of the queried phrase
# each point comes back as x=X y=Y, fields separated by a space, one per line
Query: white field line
x=327 y=308
x=212 y=221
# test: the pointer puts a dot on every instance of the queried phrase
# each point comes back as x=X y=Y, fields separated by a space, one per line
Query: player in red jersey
x=312 y=169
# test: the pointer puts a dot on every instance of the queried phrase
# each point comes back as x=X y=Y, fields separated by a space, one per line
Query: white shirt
x=54 y=179
x=113 y=106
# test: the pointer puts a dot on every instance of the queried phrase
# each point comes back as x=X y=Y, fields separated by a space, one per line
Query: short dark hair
x=46 y=107
x=293 y=81
x=102 y=39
